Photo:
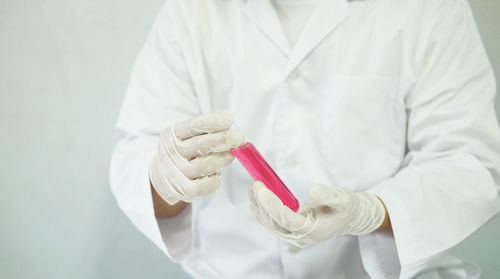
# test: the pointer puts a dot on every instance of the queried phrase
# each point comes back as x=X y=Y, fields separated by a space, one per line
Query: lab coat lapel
x=263 y=14
x=327 y=15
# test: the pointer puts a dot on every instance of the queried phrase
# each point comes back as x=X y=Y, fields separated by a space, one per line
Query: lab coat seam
x=429 y=45
x=181 y=43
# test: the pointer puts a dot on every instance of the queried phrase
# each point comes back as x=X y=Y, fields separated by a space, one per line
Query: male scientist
x=377 y=114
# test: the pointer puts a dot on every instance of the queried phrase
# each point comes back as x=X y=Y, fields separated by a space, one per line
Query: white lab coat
x=392 y=97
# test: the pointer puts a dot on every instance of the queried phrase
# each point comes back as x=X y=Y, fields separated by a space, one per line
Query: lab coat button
x=292 y=77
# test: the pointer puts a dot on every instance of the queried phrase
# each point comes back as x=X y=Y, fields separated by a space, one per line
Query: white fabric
x=333 y=212
x=293 y=15
x=391 y=97
x=191 y=156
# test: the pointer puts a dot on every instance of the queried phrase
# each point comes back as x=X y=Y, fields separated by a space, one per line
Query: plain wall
x=64 y=67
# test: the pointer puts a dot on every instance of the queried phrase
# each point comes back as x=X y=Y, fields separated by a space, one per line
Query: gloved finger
x=255 y=206
x=264 y=219
x=203 y=186
x=204 y=144
x=277 y=211
x=304 y=232
x=262 y=216
x=259 y=213
x=206 y=165
x=204 y=124
x=337 y=198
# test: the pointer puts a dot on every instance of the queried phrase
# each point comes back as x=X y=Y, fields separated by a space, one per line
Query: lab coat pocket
x=362 y=123
x=359 y=89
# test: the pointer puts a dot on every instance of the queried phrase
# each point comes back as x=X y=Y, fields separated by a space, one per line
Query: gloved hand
x=334 y=212
x=191 y=156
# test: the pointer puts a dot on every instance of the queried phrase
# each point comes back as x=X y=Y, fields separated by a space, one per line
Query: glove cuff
x=159 y=184
x=371 y=214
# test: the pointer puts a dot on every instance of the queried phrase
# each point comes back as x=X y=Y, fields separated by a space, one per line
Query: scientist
x=378 y=116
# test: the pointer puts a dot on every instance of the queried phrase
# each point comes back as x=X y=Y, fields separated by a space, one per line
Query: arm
x=447 y=186
x=160 y=93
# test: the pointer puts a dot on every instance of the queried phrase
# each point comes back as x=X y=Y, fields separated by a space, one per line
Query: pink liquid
x=260 y=170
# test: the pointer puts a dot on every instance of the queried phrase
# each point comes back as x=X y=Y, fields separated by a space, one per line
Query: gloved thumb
x=335 y=197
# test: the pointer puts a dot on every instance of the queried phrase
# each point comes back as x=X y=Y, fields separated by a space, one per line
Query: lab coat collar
x=327 y=15
x=263 y=14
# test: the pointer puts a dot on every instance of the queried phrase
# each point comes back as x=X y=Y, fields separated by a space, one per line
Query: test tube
x=260 y=170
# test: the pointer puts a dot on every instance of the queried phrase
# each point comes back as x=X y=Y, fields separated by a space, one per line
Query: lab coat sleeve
x=448 y=184
x=160 y=93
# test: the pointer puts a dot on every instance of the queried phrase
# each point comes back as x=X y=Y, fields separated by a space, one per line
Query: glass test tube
x=260 y=170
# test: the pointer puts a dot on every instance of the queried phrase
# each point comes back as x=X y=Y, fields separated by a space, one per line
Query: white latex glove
x=334 y=212
x=191 y=156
